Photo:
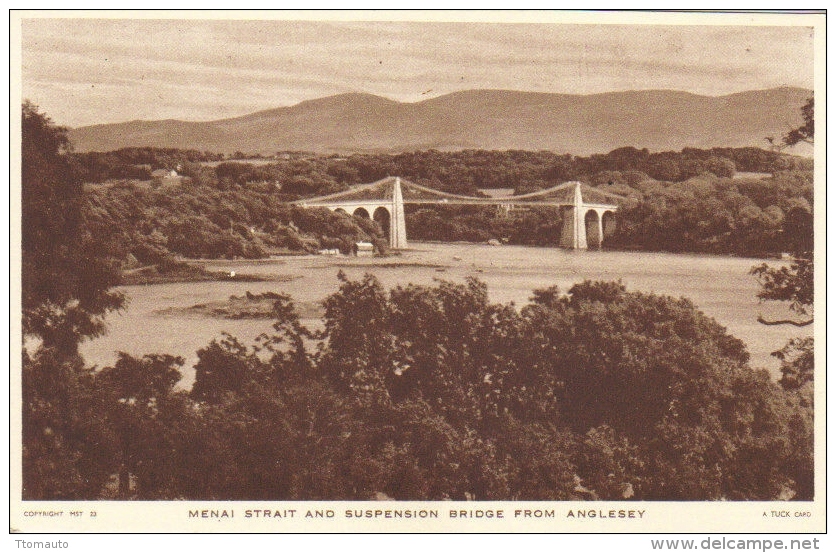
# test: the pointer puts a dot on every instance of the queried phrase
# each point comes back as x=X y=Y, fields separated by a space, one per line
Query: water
x=719 y=286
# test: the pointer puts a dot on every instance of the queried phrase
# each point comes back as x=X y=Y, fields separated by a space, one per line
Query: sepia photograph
x=369 y=271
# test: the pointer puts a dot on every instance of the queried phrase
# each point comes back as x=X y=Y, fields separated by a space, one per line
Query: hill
x=483 y=119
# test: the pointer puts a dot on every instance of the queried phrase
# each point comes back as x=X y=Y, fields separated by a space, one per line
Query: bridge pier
x=397 y=220
x=573 y=235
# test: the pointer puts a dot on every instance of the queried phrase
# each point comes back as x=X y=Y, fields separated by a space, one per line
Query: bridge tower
x=397 y=222
x=573 y=235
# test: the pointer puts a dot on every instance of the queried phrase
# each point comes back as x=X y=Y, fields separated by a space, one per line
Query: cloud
x=84 y=71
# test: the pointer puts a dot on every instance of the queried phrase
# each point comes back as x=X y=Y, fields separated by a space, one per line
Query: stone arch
x=362 y=212
x=609 y=224
x=384 y=219
x=592 y=223
x=340 y=210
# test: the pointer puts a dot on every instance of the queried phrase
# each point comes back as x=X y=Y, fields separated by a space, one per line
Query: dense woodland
x=419 y=392
x=142 y=224
x=433 y=393
x=461 y=172
x=708 y=214
x=674 y=201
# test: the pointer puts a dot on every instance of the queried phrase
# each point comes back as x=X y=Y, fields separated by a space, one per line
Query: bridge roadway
x=384 y=200
x=497 y=201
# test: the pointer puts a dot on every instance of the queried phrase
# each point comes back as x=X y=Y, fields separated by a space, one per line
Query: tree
x=720 y=166
x=662 y=398
x=599 y=393
x=134 y=396
x=804 y=133
x=66 y=283
x=796 y=363
x=794 y=284
x=360 y=350
x=67 y=446
x=223 y=367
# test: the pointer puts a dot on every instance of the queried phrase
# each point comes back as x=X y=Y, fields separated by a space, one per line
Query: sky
x=91 y=71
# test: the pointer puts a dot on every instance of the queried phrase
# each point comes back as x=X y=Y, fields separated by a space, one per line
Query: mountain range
x=480 y=119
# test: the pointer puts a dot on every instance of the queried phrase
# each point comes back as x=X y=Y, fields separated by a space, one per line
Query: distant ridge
x=483 y=119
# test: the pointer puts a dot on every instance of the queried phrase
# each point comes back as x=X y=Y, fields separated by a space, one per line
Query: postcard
x=418 y=271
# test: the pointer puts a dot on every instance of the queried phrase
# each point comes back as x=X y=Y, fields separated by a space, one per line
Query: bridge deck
x=470 y=201
x=416 y=194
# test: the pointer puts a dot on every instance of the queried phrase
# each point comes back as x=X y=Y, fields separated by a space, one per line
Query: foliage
x=805 y=132
x=137 y=401
x=137 y=163
x=796 y=363
x=706 y=214
x=153 y=225
x=66 y=281
x=66 y=447
x=434 y=392
x=223 y=367
x=753 y=217
x=794 y=284
x=462 y=172
x=66 y=292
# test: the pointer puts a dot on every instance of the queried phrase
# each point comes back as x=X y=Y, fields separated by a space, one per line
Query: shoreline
x=193 y=270
x=183 y=272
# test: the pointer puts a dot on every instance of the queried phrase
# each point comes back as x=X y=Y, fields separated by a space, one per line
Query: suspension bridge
x=585 y=210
